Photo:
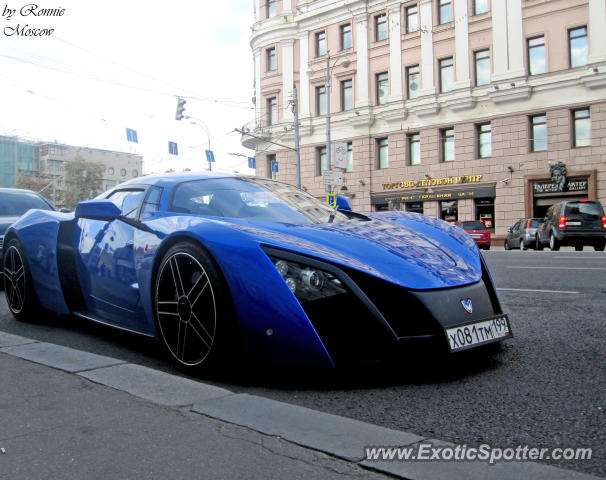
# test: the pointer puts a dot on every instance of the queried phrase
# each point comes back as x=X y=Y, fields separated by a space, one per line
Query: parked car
x=14 y=202
x=522 y=234
x=215 y=264
x=573 y=223
x=478 y=232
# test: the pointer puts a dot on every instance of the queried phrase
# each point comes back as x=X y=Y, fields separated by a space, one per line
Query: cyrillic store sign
x=433 y=182
x=572 y=185
x=459 y=194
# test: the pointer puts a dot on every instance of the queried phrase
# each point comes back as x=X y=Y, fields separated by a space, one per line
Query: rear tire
x=578 y=248
x=193 y=309
x=21 y=298
x=554 y=245
x=522 y=244
x=599 y=246
x=538 y=245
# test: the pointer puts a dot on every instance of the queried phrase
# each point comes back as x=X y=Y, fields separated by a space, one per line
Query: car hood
x=6 y=222
x=410 y=250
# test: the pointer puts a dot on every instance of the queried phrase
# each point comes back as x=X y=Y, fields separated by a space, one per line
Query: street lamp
x=200 y=123
x=327 y=83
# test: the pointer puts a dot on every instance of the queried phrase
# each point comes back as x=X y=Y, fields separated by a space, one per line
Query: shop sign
x=433 y=182
x=553 y=187
x=445 y=195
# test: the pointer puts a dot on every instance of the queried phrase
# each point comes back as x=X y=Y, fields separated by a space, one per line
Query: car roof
x=16 y=190
x=169 y=179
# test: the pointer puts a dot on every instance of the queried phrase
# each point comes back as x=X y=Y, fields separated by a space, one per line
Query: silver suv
x=522 y=234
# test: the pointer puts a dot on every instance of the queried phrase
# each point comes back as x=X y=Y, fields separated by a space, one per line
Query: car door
x=515 y=234
x=106 y=253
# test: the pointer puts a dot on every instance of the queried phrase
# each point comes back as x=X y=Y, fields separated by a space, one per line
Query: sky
x=109 y=65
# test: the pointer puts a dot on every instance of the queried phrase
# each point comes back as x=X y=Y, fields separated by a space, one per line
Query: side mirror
x=343 y=203
x=98 y=210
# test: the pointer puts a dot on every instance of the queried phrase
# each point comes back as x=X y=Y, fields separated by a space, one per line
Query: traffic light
x=180 y=108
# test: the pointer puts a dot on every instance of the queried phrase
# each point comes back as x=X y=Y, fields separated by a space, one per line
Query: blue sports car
x=214 y=264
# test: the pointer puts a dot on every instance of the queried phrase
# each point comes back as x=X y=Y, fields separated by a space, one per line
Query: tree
x=82 y=180
x=38 y=184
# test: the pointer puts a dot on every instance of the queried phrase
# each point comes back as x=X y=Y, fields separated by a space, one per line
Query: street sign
x=339 y=154
x=331 y=199
x=210 y=156
x=274 y=166
x=252 y=163
x=333 y=177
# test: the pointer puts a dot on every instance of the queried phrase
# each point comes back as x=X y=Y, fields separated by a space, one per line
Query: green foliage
x=38 y=184
x=82 y=180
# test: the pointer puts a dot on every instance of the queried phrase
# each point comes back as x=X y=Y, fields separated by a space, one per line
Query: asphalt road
x=546 y=387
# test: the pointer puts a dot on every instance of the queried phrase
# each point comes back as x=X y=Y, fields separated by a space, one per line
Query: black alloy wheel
x=19 y=290
x=191 y=304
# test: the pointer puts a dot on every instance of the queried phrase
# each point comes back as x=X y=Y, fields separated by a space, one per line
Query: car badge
x=467 y=305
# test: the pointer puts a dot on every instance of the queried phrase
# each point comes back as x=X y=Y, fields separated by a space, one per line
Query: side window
x=152 y=201
x=128 y=201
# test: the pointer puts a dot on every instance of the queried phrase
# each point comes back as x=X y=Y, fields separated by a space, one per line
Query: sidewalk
x=68 y=414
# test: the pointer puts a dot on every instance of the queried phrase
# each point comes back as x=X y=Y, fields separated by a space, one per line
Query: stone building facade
x=458 y=109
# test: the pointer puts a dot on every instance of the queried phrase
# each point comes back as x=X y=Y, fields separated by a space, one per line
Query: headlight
x=308 y=283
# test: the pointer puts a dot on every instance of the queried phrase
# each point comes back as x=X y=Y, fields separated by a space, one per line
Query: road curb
x=338 y=436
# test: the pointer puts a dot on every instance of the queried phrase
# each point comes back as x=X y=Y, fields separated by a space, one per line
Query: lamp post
x=327 y=81
x=200 y=123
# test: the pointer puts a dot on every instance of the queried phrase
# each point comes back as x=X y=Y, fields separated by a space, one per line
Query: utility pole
x=295 y=110
x=327 y=87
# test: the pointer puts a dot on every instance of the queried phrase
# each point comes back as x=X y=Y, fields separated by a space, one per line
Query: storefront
x=447 y=195
x=542 y=192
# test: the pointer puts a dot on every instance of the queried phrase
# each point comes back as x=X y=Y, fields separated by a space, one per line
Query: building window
x=123 y=172
x=321 y=160
x=350 y=164
x=582 y=128
x=413 y=81
x=577 y=39
x=485 y=212
x=320 y=44
x=448 y=144
x=445 y=13
x=346 y=36
x=446 y=75
x=480 y=7
x=536 y=56
x=382 y=153
x=538 y=133
x=321 y=100
x=346 y=95
x=482 y=60
x=416 y=207
x=412 y=19
x=414 y=148
x=135 y=173
x=271 y=59
x=272 y=111
x=270 y=163
x=271 y=8
x=449 y=210
x=380 y=27
x=110 y=171
x=484 y=136
x=382 y=88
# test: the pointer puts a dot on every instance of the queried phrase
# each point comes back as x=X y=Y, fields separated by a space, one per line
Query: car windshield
x=252 y=199
x=473 y=226
x=592 y=209
x=16 y=204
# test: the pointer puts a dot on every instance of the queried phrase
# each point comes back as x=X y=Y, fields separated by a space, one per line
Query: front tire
x=507 y=247
x=192 y=307
x=522 y=244
x=554 y=245
x=18 y=285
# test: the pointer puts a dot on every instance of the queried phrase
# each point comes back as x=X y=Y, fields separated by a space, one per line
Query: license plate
x=478 y=333
x=476 y=235
x=574 y=224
